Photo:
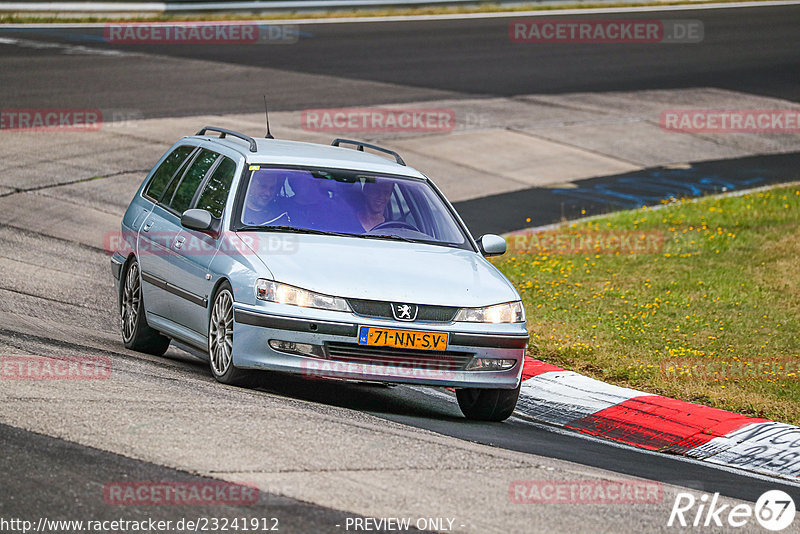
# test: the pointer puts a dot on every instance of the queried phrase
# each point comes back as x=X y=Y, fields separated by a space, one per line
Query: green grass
x=723 y=292
x=10 y=18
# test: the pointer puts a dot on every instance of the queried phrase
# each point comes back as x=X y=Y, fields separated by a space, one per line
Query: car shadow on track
x=373 y=398
x=377 y=399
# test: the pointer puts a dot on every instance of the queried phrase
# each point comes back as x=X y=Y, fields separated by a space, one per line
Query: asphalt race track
x=333 y=451
x=506 y=212
x=52 y=478
x=752 y=50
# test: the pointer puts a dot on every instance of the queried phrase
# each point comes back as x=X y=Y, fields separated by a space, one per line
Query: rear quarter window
x=166 y=171
x=182 y=198
x=215 y=192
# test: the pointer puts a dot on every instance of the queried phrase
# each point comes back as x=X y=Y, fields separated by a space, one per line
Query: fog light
x=303 y=349
x=490 y=364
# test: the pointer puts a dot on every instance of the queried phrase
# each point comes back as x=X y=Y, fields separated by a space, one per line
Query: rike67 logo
x=774 y=510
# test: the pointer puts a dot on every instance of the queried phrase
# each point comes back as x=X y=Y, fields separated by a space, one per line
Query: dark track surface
x=58 y=480
x=755 y=50
x=507 y=212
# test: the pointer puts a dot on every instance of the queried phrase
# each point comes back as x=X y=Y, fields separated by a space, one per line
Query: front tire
x=220 y=341
x=487 y=404
x=136 y=333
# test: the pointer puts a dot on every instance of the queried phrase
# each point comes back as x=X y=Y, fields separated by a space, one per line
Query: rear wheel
x=487 y=404
x=136 y=333
x=220 y=341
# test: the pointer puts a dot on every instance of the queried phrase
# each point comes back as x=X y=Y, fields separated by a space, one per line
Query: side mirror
x=492 y=245
x=199 y=220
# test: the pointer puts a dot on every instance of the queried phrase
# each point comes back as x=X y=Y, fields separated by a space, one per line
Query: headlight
x=295 y=296
x=510 y=312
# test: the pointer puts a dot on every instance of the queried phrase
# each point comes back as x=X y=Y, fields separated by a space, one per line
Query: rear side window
x=166 y=171
x=184 y=194
x=215 y=193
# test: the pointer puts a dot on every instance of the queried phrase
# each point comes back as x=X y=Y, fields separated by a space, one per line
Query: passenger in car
x=263 y=205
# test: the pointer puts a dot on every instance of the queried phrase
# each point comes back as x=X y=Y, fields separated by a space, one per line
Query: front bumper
x=343 y=358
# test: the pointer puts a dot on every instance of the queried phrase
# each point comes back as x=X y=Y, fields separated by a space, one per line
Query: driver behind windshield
x=263 y=205
x=372 y=211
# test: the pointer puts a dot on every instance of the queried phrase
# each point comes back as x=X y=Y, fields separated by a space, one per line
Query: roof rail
x=360 y=147
x=223 y=132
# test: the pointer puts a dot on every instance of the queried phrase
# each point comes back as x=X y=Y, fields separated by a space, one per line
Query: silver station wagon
x=324 y=261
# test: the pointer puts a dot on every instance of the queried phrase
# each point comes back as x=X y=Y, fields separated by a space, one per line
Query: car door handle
x=147 y=226
x=179 y=242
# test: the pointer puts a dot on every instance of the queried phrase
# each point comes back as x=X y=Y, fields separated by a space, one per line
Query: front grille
x=406 y=358
x=378 y=308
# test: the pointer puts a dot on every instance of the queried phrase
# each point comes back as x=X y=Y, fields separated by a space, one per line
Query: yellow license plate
x=404 y=339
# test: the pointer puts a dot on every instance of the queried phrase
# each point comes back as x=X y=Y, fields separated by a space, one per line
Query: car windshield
x=349 y=203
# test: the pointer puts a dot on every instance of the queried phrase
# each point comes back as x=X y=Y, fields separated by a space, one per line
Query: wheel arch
x=124 y=273
x=213 y=294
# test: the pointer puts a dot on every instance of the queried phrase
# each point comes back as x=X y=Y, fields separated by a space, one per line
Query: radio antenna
x=266 y=114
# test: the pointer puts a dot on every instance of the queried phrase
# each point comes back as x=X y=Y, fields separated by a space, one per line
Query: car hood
x=381 y=270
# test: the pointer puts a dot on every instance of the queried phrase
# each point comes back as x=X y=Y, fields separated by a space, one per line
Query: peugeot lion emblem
x=405 y=312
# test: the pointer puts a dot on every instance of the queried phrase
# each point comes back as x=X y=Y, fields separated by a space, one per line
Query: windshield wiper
x=289 y=229
x=295 y=230
x=395 y=237
x=392 y=237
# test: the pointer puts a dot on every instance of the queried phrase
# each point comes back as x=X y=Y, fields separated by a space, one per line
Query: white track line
x=65 y=48
x=462 y=16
